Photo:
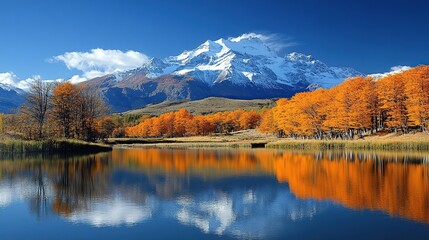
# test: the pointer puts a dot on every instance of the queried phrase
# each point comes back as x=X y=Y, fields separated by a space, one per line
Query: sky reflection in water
x=224 y=192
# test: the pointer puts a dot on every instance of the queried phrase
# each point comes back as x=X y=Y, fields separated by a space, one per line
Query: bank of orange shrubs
x=183 y=123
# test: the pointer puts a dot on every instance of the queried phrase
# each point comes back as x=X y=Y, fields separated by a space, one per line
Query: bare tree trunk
x=37 y=103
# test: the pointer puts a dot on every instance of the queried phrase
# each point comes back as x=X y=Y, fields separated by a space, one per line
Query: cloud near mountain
x=99 y=62
x=393 y=70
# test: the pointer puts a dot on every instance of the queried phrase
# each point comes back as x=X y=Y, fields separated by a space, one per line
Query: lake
x=215 y=194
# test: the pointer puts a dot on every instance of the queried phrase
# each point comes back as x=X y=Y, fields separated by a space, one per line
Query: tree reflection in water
x=235 y=192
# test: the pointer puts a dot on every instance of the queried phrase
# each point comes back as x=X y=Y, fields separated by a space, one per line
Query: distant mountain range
x=240 y=68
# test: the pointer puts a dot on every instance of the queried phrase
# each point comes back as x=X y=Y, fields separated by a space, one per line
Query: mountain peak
x=247 y=44
x=295 y=56
x=248 y=60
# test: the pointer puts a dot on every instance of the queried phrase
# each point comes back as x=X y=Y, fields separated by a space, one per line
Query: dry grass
x=417 y=141
x=50 y=146
x=186 y=145
x=245 y=135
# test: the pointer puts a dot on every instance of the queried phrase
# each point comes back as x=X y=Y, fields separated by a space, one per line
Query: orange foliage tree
x=392 y=99
x=267 y=124
x=63 y=100
x=182 y=123
x=356 y=106
x=417 y=91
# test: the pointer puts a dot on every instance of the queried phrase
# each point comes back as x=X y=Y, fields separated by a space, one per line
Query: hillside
x=204 y=106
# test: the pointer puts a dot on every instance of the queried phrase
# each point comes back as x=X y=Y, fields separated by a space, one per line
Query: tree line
x=58 y=110
x=183 y=123
x=397 y=103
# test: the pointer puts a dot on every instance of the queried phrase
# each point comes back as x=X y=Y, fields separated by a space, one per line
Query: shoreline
x=293 y=145
x=352 y=145
x=14 y=146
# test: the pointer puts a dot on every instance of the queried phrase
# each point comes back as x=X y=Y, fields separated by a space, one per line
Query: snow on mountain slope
x=247 y=60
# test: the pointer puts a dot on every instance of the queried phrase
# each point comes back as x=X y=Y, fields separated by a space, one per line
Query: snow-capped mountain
x=246 y=60
x=244 y=67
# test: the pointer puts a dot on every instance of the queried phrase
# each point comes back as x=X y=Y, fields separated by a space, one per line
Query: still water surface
x=215 y=194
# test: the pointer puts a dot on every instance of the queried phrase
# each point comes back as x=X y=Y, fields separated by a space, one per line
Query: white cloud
x=10 y=81
x=393 y=70
x=8 y=78
x=275 y=41
x=400 y=68
x=77 y=79
x=99 y=62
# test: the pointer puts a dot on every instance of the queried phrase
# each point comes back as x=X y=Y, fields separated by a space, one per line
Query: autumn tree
x=351 y=107
x=36 y=104
x=64 y=100
x=310 y=112
x=89 y=107
x=249 y=120
x=281 y=116
x=182 y=121
x=105 y=126
x=417 y=91
x=202 y=125
x=267 y=124
x=392 y=99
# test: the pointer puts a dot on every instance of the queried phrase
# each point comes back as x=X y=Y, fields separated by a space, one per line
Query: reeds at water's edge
x=355 y=145
x=299 y=145
x=50 y=146
x=190 y=145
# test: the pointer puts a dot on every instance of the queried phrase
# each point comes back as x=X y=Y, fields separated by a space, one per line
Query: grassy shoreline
x=50 y=146
x=293 y=144
x=351 y=145
x=182 y=145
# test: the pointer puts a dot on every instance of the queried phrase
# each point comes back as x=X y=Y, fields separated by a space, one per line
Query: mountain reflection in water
x=224 y=191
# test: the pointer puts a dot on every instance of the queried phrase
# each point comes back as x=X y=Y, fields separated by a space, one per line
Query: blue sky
x=370 y=36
